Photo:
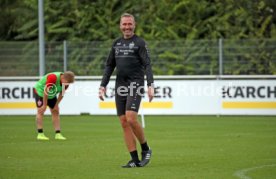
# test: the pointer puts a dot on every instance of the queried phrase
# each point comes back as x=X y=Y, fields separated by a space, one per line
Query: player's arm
x=109 y=68
x=43 y=108
x=60 y=96
x=144 y=55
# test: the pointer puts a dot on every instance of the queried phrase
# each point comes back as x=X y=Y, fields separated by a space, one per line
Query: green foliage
x=167 y=22
x=248 y=57
x=162 y=19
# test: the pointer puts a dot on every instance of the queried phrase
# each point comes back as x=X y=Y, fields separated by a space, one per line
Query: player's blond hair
x=69 y=76
x=127 y=15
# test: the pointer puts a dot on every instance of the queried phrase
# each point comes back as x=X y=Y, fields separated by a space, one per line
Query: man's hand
x=56 y=107
x=101 y=93
x=42 y=109
x=150 y=93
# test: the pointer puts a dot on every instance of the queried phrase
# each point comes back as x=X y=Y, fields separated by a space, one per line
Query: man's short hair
x=127 y=15
x=69 y=76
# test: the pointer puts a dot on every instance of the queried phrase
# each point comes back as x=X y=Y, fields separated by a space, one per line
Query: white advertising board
x=172 y=97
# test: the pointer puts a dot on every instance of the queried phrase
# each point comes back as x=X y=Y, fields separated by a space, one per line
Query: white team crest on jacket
x=116 y=51
x=131 y=45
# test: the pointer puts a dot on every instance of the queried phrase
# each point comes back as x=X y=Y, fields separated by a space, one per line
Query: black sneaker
x=132 y=164
x=146 y=155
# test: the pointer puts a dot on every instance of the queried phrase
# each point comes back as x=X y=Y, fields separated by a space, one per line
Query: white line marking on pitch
x=242 y=173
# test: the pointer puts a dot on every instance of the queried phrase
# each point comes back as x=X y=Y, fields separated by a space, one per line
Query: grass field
x=193 y=147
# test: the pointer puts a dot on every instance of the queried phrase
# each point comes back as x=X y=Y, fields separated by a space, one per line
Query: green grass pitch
x=193 y=147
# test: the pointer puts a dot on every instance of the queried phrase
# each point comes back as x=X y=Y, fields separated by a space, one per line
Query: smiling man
x=130 y=56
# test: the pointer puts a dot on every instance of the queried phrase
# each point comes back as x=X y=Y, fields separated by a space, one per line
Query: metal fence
x=178 y=57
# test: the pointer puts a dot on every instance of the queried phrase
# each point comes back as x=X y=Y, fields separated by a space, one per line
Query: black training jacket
x=131 y=59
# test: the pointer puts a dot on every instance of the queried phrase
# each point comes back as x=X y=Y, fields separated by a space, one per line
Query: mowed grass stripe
x=183 y=147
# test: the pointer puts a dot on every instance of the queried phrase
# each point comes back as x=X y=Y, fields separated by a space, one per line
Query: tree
x=183 y=34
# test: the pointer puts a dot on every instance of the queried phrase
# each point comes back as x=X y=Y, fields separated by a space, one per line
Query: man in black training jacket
x=130 y=56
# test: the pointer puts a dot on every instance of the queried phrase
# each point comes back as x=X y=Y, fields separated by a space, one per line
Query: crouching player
x=45 y=92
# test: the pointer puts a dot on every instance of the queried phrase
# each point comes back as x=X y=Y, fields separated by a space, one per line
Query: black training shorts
x=128 y=98
x=39 y=101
